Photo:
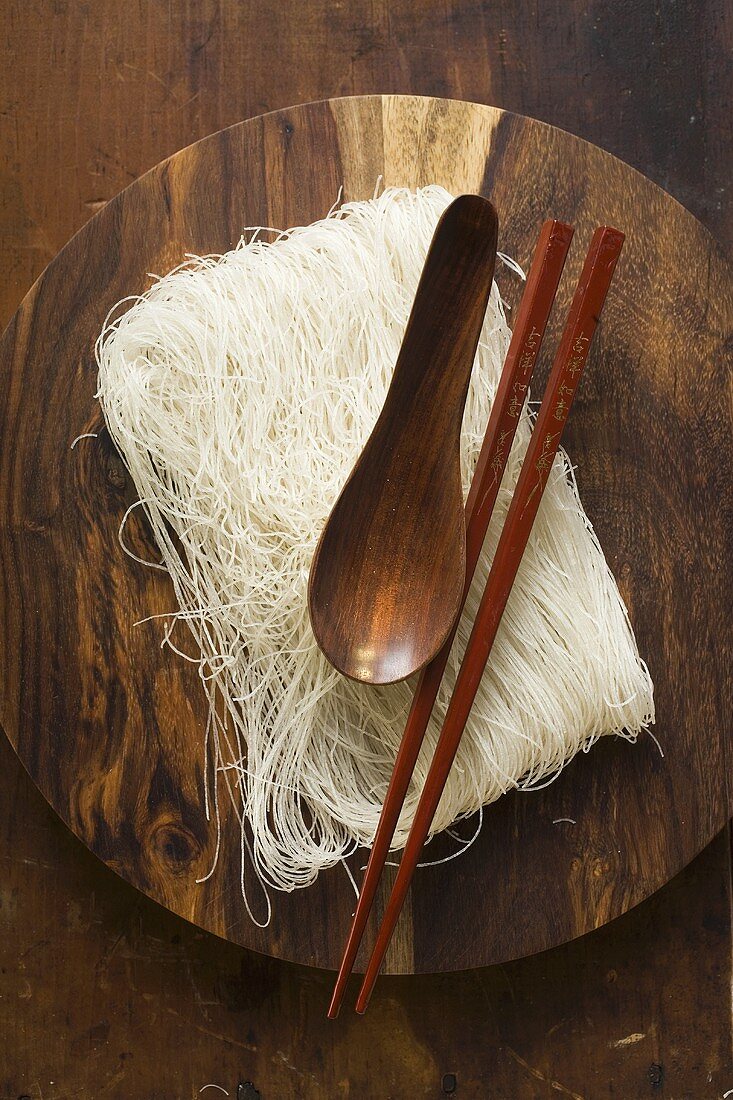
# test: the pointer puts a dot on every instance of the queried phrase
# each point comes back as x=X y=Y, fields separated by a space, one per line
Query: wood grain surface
x=110 y=726
x=104 y=993
x=107 y=995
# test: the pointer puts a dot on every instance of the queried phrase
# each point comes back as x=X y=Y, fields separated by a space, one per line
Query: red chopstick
x=567 y=368
x=529 y=328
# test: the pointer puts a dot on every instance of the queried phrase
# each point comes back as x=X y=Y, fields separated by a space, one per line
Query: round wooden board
x=110 y=726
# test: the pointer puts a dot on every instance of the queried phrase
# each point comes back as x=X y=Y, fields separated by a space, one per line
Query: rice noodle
x=239 y=391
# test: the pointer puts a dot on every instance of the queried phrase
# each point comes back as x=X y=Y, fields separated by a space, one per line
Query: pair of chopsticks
x=532 y=316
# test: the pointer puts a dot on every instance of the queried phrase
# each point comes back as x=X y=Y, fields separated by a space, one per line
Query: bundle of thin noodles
x=239 y=390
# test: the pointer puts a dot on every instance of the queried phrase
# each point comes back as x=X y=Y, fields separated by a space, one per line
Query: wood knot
x=247 y=1091
x=601 y=867
x=91 y=1039
x=175 y=846
x=116 y=473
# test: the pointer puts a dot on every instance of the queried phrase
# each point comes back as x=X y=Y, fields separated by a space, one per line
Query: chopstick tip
x=335 y=1005
x=365 y=993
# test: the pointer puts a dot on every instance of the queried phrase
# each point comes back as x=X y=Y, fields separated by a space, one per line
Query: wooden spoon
x=387 y=576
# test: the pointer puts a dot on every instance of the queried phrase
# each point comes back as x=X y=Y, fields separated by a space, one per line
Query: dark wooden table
x=103 y=994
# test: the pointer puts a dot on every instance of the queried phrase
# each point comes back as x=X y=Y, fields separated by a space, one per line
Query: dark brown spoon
x=387 y=576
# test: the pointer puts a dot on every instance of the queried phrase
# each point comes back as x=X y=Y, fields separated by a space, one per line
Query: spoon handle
x=446 y=317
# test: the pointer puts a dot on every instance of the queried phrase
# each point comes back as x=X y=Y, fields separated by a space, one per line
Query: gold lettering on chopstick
x=561 y=409
x=544 y=462
x=543 y=465
x=498 y=460
x=526 y=359
x=579 y=350
x=533 y=337
x=575 y=365
x=517 y=399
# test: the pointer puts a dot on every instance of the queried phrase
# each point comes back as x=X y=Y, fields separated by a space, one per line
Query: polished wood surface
x=103 y=992
x=110 y=726
x=528 y=330
x=387 y=576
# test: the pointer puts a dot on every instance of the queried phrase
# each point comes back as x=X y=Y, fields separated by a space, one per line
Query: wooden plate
x=110 y=726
